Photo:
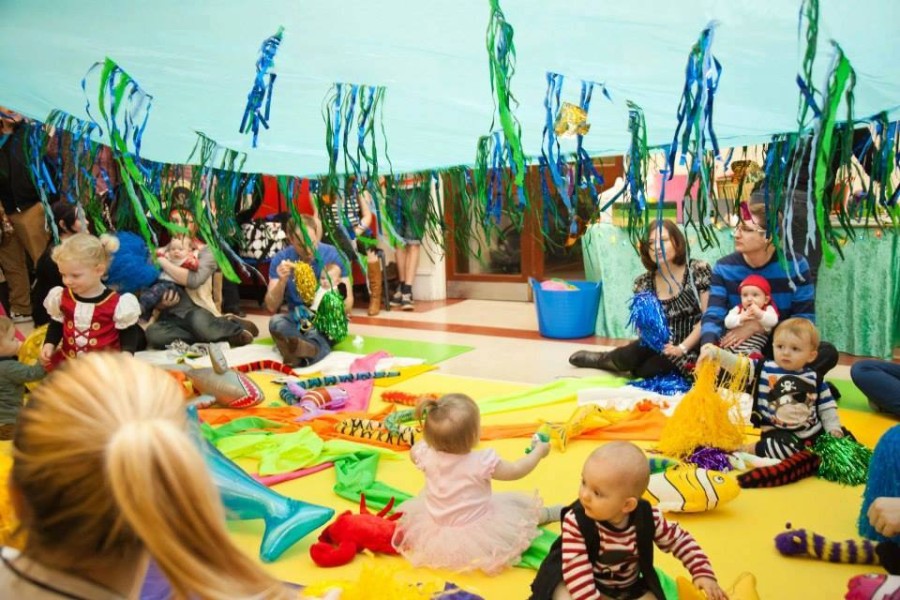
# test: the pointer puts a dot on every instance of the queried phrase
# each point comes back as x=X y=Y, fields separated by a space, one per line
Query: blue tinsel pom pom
x=648 y=318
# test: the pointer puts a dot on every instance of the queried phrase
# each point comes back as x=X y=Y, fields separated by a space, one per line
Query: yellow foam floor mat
x=738 y=537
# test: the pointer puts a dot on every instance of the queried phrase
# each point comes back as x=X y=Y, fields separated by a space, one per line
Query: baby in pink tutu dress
x=456 y=522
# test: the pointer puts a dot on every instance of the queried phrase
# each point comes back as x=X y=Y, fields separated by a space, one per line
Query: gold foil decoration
x=571 y=121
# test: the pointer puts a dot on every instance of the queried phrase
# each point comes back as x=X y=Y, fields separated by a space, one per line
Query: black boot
x=593 y=360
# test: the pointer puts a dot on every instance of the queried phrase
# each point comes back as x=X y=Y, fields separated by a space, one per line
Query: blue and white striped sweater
x=731 y=270
x=803 y=413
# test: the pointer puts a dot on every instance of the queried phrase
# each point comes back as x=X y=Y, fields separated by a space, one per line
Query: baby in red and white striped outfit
x=608 y=534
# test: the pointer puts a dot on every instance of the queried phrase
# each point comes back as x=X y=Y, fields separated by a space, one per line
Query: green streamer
x=810 y=11
x=466 y=212
x=133 y=179
x=841 y=82
x=351 y=113
x=881 y=189
x=76 y=156
x=637 y=166
x=502 y=61
x=213 y=197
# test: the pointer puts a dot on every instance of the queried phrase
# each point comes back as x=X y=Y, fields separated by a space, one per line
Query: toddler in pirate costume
x=791 y=406
x=605 y=550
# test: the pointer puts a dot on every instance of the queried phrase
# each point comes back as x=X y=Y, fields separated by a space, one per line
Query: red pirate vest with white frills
x=88 y=327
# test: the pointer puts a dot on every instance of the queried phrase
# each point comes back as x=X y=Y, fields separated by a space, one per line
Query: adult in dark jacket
x=24 y=223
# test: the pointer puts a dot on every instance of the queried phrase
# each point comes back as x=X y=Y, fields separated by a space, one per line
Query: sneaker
x=397 y=298
x=246 y=324
x=406 y=302
x=17 y=318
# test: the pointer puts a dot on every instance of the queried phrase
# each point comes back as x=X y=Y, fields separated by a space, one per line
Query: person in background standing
x=24 y=223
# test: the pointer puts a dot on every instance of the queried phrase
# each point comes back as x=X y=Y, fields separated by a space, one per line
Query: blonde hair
x=451 y=423
x=800 y=327
x=86 y=249
x=107 y=469
x=630 y=465
x=6 y=325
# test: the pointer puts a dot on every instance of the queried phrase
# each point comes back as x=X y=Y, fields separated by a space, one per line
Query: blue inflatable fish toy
x=287 y=520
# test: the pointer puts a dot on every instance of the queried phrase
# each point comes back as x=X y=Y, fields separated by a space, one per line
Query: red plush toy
x=350 y=534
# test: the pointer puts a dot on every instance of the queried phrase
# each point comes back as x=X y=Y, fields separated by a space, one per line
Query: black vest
x=550 y=574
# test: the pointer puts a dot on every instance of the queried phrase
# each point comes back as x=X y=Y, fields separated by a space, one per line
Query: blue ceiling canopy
x=197 y=61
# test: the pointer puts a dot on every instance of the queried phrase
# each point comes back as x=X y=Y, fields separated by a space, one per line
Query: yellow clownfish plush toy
x=686 y=488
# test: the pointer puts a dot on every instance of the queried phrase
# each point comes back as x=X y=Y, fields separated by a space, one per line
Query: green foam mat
x=851 y=396
x=431 y=352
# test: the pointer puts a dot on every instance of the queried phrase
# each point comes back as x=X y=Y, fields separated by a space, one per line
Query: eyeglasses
x=742 y=228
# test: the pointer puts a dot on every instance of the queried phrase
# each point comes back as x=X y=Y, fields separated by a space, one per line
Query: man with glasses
x=793 y=292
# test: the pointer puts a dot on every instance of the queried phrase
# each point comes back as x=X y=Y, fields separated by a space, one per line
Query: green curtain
x=857 y=298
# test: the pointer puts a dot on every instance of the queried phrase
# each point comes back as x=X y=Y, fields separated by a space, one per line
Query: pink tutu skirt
x=491 y=543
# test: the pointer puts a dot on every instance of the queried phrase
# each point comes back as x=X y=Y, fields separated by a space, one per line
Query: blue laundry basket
x=567 y=314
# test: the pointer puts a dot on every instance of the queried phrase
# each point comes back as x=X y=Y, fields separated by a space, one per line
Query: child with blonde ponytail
x=457 y=522
x=106 y=475
x=86 y=316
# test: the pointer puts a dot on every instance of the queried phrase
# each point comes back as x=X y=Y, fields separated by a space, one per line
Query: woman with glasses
x=682 y=288
x=793 y=291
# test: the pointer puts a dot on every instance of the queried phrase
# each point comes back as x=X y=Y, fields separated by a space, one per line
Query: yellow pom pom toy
x=306 y=282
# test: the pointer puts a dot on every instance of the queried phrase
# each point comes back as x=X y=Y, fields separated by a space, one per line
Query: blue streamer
x=808 y=96
x=259 y=100
x=649 y=320
x=550 y=151
x=669 y=384
x=586 y=174
x=40 y=175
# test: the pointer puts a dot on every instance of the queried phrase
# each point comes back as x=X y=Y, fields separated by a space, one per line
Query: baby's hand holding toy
x=838 y=433
x=540 y=444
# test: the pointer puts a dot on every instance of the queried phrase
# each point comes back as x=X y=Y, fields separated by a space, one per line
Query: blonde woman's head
x=105 y=468
x=451 y=423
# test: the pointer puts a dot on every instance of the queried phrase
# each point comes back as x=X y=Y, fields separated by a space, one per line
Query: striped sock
x=794 y=468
